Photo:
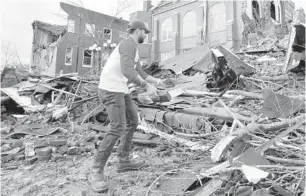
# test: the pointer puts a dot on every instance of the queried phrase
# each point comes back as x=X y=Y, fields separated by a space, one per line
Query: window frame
x=169 y=30
x=91 y=58
x=183 y=22
x=86 y=31
x=69 y=64
x=111 y=34
x=218 y=27
x=146 y=40
x=69 y=25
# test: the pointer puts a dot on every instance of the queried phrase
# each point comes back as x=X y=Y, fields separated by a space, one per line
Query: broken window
x=90 y=29
x=87 y=58
x=107 y=34
x=190 y=24
x=217 y=18
x=255 y=10
x=70 y=26
x=166 y=30
x=68 y=56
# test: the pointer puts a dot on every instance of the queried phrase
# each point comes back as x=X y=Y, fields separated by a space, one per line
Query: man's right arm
x=127 y=49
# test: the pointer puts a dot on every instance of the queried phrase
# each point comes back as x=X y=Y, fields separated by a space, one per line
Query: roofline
x=63 y=4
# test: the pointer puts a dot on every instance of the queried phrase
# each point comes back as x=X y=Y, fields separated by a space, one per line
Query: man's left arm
x=146 y=76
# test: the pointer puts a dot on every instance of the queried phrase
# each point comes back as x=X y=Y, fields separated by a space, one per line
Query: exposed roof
x=73 y=10
x=54 y=29
x=161 y=4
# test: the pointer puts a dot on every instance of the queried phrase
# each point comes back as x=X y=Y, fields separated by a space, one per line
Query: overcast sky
x=17 y=16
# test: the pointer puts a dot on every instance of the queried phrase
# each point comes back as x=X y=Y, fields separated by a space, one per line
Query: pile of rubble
x=246 y=109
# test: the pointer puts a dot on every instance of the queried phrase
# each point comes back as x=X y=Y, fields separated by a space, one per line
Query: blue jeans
x=123 y=123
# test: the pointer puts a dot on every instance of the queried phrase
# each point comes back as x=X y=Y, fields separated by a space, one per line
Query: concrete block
x=82 y=150
x=44 y=158
x=63 y=149
x=43 y=151
x=90 y=147
x=19 y=157
x=73 y=150
x=89 y=138
x=41 y=143
x=7 y=158
x=5 y=147
x=56 y=156
x=30 y=160
x=17 y=143
x=58 y=142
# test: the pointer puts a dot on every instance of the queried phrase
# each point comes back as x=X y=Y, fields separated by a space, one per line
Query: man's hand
x=152 y=91
x=166 y=83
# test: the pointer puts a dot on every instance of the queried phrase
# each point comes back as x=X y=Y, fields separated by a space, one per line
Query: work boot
x=128 y=165
x=97 y=182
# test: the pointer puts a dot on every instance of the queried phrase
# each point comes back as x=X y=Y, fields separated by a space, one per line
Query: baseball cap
x=137 y=24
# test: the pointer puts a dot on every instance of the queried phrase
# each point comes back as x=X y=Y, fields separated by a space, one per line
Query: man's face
x=141 y=35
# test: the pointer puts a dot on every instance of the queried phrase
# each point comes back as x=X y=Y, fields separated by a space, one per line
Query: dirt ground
x=68 y=176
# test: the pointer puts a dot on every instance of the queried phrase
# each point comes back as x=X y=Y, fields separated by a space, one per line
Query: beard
x=141 y=39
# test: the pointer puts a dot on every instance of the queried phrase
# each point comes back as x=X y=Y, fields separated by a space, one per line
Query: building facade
x=177 y=25
x=70 y=51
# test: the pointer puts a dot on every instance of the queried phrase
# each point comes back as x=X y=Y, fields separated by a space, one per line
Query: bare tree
x=8 y=57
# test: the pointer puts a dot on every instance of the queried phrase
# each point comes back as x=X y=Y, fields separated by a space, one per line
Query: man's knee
x=118 y=129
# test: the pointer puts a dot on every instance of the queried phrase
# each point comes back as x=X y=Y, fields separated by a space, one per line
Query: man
x=122 y=66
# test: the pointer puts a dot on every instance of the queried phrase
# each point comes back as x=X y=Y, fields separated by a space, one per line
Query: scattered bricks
x=95 y=139
x=58 y=142
x=72 y=150
x=46 y=151
x=40 y=144
x=44 y=158
x=17 y=143
x=5 y=147
x=82 y=144
x=90 y=147
x=72 y=141
x=54 y=149
x=63 y=149
x=29 y=149
x=90 y=138
x=7 y=158
x=30 y=160
x=82 y=150
x=19 y=157
x=56 y=156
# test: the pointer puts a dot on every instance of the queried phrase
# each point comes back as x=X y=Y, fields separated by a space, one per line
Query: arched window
x=166 y=30
x=190 y=24
x=217 y=18
x=255 y=10
x=273 y=10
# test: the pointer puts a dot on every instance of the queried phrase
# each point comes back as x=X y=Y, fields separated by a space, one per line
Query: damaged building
x=178 y=26
x=66 y=49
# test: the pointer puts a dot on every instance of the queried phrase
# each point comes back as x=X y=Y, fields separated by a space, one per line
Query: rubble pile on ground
x=245 y=109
